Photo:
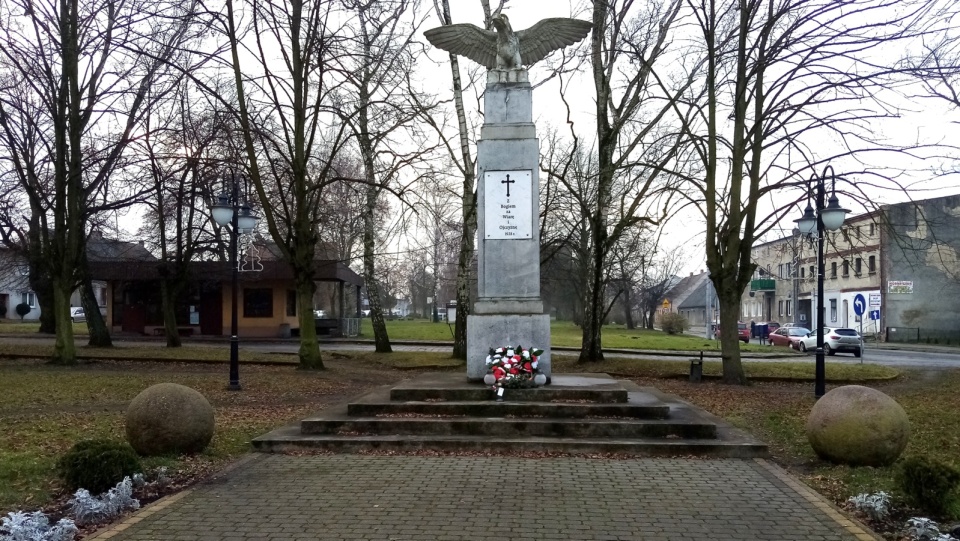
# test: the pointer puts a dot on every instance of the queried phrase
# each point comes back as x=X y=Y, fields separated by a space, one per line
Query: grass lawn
x=45 y=409
x=566 y=334
x=14 y=326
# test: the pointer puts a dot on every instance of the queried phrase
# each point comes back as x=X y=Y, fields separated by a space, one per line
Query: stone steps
x=290 y=439
x=508 y=427
x=579 y=414
x=491 y=408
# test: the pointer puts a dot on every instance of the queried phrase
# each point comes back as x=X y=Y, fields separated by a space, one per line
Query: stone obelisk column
x=508 y=309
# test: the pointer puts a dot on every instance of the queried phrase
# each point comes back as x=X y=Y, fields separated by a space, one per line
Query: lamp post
x=828 y=218
x=229 y=209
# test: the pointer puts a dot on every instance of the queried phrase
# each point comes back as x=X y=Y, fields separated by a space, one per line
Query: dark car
x=772 y=326
x=743 y=332
x=787 y=336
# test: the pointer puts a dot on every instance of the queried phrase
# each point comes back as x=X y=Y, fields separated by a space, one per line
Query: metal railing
x=350 y=326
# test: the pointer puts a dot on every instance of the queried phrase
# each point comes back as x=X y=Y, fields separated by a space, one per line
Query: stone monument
x=508 y=310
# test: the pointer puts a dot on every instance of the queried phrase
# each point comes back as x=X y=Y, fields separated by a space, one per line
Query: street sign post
x=859 y=306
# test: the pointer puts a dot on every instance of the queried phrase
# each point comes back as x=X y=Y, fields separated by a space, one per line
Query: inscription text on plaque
x=507 y=205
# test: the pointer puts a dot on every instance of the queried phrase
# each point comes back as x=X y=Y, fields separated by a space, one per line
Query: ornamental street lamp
x=230 y=209
x=828 y=218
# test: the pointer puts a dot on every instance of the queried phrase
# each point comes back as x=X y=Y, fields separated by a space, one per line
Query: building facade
x=901 y=259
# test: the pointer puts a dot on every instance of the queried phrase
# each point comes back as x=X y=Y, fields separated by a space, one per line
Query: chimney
x=141 y=244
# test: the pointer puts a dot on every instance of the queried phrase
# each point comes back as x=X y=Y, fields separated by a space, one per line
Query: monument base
x=485 y=331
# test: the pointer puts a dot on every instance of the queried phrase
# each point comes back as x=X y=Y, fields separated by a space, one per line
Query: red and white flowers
x=512 y=368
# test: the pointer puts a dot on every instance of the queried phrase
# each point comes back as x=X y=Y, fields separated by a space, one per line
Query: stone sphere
x=858 y=426
x=169 y=418
x=489 y=379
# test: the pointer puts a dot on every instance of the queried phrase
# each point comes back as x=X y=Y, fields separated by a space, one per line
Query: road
x=917 y=356
x=943 y=358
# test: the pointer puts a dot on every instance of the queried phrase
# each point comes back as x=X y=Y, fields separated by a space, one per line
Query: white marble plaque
x=507 y=205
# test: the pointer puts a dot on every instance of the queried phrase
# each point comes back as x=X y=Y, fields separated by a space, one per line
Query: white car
x=835 y=339
x=76 y=314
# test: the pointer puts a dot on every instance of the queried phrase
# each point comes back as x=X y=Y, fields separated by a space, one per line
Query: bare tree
x=91 y=67
x=633 y=145
x=379 y=107
x=462 y=158
x=185 y=154
x=778 y=77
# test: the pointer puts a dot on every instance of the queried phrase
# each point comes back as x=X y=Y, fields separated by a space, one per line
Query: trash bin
x=284 y=330
x=763 y=330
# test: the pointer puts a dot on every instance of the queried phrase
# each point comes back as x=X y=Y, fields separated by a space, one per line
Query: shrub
x=97 y=465
x=22 y=310
x=673 y=323
x=928 y=483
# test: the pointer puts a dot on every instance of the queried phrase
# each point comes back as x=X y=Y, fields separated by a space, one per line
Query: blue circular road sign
x=859 y=304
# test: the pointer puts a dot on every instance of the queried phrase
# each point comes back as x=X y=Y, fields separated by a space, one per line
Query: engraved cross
x=508 y=182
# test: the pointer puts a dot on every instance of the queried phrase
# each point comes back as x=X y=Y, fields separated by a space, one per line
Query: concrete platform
x=577 y=414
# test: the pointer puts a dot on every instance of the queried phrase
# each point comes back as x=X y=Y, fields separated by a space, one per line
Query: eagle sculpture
x=504 y=48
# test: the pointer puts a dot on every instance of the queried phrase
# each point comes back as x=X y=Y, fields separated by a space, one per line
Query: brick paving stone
x=362 y=497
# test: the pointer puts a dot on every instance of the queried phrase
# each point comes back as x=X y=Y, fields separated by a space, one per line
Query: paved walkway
x=279 y=497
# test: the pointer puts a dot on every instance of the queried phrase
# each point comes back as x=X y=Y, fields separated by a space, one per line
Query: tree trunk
x=309 y=353
x=64 y=349
x=468 y=200
x=628 y=309
x=380 y=337
x=167 y=302
x=96 y=326
x=728 y=297
x=591 y=349
x=43 y=287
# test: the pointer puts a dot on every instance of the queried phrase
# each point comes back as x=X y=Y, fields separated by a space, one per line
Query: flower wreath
x=511 y=367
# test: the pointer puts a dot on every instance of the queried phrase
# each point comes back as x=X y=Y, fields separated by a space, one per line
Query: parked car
x=835 y=340
x=788 y=336
x=771 y=326
x=77 y=315
x=743 y=332
x=319 y=314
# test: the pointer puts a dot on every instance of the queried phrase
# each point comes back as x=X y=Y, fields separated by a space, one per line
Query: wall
x=259 y=326
x=922 y=243
x=14 y=283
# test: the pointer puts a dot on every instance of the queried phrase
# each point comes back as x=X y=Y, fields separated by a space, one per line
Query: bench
x=327 y=326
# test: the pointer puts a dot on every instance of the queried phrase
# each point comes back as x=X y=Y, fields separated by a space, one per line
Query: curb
x=111 y=530
x=852 y=526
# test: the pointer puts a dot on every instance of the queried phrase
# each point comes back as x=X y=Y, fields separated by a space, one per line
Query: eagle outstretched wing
x=466 y=40
x=550 y=35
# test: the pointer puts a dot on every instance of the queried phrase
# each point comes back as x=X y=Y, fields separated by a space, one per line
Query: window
x=291 y=302
x=789 y=307
x=871 y=229
x=780 y=308
x=802 y=271
x=858 y=266
x=872 y=264
x=789 y=269
x=846 y=268
x=813 y=273
x=780 y=271
x=857 y=232
x=258 y=302
x=833 y=269
x=29 y=298
x=833 y=309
